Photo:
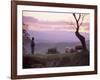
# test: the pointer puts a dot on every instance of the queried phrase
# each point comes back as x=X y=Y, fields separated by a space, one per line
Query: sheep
x=72 y=50
x=67 y=50
x=79 y=48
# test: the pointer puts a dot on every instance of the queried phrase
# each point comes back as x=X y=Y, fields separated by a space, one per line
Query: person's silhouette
x=32 y=45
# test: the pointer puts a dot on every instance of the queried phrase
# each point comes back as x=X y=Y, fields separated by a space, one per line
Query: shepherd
x=32 y=45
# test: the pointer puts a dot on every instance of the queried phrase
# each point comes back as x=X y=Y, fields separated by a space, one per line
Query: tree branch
x=77 y=21
x=75 y=17
x=79 y=17
x=82 y=20
x=73 y=24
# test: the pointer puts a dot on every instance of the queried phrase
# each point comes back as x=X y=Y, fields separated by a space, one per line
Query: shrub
x=52 y=51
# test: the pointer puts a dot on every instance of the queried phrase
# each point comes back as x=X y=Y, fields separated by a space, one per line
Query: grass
x=55 y=60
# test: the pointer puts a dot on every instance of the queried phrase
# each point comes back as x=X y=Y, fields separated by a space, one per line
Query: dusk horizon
x=55 y=36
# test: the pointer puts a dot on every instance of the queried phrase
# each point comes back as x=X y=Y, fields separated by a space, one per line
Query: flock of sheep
x=77 y=48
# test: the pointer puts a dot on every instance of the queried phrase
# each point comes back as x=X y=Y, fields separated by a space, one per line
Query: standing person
x=32 y=45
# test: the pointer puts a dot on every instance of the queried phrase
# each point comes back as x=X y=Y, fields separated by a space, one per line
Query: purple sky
x=53 y=27
x=56 y=36
x=45 y=21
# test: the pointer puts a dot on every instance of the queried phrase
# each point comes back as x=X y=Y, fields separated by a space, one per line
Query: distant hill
x=43 y=47
x=55 y=36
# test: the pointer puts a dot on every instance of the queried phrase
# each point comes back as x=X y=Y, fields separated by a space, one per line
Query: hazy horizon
x=55 y=36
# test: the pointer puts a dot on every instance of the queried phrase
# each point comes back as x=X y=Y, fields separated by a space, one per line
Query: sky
x=55 y=27
x=53 y=21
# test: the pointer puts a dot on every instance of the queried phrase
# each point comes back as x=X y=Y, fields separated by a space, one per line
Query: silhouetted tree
x=77 y=33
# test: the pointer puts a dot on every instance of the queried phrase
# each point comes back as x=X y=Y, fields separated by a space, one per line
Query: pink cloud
x=35 y=23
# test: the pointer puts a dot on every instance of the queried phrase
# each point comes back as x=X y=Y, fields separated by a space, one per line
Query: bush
x=52 y=51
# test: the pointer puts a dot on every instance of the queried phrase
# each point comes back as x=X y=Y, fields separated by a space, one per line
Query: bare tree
x=77 y=18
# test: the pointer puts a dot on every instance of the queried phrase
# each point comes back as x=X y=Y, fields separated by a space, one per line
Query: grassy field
x=55 y=60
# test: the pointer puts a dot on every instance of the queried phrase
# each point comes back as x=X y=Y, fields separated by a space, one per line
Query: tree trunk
x=80 y=37
x=82 y=40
